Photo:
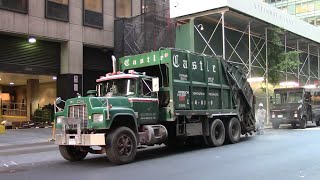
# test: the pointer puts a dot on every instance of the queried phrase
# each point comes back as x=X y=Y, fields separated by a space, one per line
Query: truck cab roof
x=122 y=75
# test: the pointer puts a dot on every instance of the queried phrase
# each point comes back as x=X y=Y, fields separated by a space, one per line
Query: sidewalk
x=25 y=136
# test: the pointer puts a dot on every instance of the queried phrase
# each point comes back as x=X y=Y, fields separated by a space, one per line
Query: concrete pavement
x=279 y=154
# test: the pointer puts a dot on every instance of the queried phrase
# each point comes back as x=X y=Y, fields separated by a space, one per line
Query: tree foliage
x=278 y=59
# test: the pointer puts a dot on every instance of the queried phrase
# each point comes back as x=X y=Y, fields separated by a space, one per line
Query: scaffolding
x=244 y=40
x=149 y=31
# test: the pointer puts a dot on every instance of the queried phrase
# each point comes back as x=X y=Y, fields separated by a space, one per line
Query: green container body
x=197 y=83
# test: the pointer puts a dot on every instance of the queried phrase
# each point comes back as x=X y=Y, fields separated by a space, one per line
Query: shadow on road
x=145 y=154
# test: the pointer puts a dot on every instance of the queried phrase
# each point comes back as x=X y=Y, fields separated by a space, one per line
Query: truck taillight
x=110 y=106
x=273 y=115
x=295 y=114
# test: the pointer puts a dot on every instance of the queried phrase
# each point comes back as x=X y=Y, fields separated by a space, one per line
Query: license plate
x=72 y=141
x=280 y=116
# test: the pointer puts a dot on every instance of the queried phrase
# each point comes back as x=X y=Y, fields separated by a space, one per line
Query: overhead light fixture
x=54 y=77
x=32 y=40
x=289 y=84
x=255 y=79
x=12 y=83
x=0 y=79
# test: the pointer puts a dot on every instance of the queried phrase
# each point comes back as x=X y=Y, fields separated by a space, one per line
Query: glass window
x=57 y=9
x=295 y=97
x=118 y=87
x=317 y=5
x=317 y=20
x=93 y=13
x=15 y=5
x=123 y=8
x=145 y=87
x=292 y=9
x=302 y=8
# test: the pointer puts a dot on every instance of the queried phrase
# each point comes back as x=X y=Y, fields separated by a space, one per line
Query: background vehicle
x=180 y=98
x=294 y=106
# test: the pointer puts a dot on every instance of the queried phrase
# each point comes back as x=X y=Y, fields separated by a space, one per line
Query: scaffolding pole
x=285 y=51
x=249 y=48
x=309 y=70
x=267 y=74
x=298 y=75
x=318 y=65
x=223 y=37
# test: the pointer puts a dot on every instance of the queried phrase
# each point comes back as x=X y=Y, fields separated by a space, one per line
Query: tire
x=233 y=131
x=318 y=123
x=217 y=133
x=303 y=123
x=294 y=125
x=121 y=146
x=72 y=153
x=275 y=125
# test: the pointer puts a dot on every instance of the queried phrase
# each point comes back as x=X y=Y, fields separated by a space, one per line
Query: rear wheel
x=275 y=125
x=233 y=131
x=294 y=125
x=121 y=146
x=72 y=153
x=303 y=123
x=217 y=133
x=318 y=123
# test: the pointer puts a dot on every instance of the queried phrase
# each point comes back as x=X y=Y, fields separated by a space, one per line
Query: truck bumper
x=284 y=121
x=81 y=140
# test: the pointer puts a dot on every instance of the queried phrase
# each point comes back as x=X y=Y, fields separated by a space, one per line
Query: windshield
x=118 y=87
x=288 y=97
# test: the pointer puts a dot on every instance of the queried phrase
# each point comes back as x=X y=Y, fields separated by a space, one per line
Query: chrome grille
x=81 y=112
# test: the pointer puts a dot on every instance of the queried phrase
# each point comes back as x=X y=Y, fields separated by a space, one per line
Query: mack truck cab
x=295 y=106
x=182 y=97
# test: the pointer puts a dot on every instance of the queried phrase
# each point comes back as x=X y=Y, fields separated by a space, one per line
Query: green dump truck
x=169 y=96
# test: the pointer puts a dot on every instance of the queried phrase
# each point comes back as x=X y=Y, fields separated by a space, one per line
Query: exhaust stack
x=114 y=64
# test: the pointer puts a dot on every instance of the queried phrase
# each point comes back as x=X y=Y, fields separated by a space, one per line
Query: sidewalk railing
x=13 y=109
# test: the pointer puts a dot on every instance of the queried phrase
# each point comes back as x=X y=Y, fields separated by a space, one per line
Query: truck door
x=307 y=103
x=146 y=103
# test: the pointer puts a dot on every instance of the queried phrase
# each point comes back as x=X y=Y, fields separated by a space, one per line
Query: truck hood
x=95 y=102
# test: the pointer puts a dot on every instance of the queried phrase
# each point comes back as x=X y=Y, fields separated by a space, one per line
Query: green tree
x=278 y=59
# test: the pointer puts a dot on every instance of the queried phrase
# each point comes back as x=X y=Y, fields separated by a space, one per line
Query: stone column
x=32 y=97
x=69 y=82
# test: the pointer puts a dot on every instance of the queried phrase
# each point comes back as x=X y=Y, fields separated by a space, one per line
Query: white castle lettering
x=195 y=65
x=144 y=60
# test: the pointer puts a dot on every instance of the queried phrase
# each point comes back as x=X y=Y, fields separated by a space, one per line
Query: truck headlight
x=97 y=117
x=59 y=119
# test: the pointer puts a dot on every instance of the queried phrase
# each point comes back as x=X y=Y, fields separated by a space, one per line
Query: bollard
x=2 y=129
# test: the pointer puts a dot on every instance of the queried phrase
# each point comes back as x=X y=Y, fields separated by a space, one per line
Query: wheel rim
x=235 y=129
x=124 y=145
x=218 y=132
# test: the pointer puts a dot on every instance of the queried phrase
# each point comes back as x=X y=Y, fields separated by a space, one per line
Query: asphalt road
x=284 y=154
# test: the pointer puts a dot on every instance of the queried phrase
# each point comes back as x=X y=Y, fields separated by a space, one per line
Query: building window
x=93 y=13
x=15 y=5
x=57 y=9
x=123 y=8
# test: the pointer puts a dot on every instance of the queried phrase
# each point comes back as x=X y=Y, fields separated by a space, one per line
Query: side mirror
x=92 y=92
x=58 y=100
x=271 y=100
x=155 y=84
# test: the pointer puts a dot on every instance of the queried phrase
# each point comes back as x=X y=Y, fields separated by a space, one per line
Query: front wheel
x=217 y=133
x=72 y=153
x=294 y=125
x=275 y=125
x=121 y=146
x=318 y=123
x=303 y=123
